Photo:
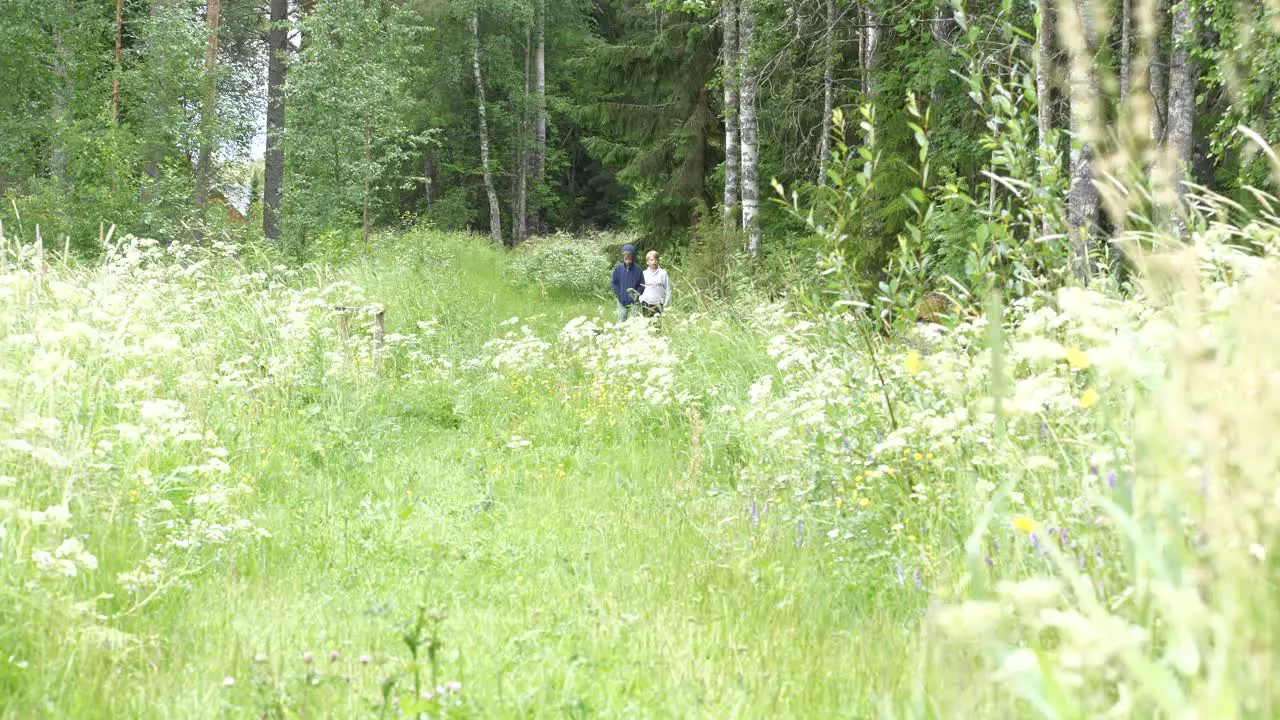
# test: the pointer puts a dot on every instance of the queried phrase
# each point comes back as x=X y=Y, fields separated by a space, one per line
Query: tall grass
x=208 y=495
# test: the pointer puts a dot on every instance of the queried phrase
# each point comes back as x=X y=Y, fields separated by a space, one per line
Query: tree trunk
x=750 y=134
x=208 y=108
x=273 y=158
x=869 y=38
x=519 y=228
x=944 y=24
x=1159 y=72
x=538 y=163
x=115 y=77
x=1182 y=101
x=1082 y=208
x=1126 y=49
x=1044 y=95
x=729 y=66
x=828 y=92
x=495 y=213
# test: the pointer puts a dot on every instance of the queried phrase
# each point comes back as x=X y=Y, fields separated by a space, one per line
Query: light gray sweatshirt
x=657 y=287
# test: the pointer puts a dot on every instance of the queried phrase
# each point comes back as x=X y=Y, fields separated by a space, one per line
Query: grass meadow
x=212 y=504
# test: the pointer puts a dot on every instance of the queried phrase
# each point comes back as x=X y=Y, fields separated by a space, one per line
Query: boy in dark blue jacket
x=628 y=282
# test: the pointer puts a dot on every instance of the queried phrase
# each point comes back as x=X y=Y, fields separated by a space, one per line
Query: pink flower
x=307 y=657
x=333 y=656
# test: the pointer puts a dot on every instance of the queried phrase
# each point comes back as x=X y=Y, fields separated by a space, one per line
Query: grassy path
x=584 y=575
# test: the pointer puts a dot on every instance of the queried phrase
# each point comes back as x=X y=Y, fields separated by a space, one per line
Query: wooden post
x=379 y=326
x=343 y=329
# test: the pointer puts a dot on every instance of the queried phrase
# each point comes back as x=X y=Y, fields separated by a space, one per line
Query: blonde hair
x=650 y=254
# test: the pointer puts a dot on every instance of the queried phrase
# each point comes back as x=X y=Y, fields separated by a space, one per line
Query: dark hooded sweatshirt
x=627 y=278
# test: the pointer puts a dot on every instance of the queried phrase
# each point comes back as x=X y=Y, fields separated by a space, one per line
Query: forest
x=315 y=399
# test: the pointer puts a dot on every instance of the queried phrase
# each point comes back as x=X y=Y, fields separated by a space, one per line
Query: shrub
x=561 y=262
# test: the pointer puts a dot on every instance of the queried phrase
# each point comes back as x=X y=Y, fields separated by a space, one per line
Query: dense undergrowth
x=212 y=503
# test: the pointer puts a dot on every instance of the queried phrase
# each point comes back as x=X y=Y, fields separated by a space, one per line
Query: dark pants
x=650 y=310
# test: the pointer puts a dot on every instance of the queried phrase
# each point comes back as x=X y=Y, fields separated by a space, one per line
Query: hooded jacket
x=627 y=278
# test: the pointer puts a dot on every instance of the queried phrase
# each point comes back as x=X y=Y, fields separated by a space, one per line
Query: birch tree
x=495 y=213
x=729 y=67
x=1182 y=100
x=1044 y=94
x=520 y=203
x=273 y=158
x=868 y=40
x=538 y=161
x=749 y=84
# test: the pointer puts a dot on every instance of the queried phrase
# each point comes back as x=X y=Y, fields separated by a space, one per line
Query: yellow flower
x=917 y=457
x=928 y=456
x=913 y=362
x=1024 y=524
x=864 y=502
x=1077 y=359
x=911 y=538
x=1089 y=398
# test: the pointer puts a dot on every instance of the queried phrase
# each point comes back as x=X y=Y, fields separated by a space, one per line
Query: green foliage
x=566 y=263
x=348 y=108
x=645 y=97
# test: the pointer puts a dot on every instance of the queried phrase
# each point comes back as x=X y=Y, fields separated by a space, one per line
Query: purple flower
x=1035 y=542
x=333 y=656
x=919 y=584
x=898 y=565
x=800 y=532
x=987 y=559
x=755 y=513
x=1111 y=479
x=1062 y=538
